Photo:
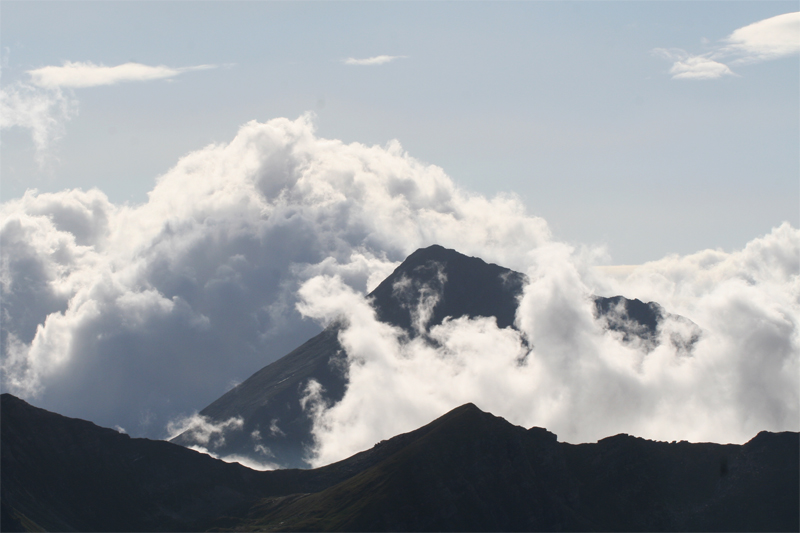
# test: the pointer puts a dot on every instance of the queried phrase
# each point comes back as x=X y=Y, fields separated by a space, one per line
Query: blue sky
x=565 y=104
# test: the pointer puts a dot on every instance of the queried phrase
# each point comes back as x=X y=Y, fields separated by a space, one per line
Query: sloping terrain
x=466 y=471
x=269 y=401
x=63 y=474
x=471 y=471
x=66 y=474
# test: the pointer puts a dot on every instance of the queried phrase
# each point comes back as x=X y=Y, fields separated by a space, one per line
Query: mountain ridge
x=468 y=470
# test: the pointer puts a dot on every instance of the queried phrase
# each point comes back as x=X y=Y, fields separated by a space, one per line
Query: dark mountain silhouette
x=63 y=474
x=466 y=471
x=465 y=286
x=277 y=430
x=639 y=322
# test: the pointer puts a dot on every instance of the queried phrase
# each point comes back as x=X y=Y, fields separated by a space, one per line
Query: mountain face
x=275 y=427
x=466 y=471
x=63 y=474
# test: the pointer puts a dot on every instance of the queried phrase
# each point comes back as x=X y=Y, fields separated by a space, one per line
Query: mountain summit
x=461 y=286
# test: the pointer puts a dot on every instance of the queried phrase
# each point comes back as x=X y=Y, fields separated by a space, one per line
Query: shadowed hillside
x=466 y=471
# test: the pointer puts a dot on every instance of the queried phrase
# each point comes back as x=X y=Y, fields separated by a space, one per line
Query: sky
x=571 y=106
x=192 y=189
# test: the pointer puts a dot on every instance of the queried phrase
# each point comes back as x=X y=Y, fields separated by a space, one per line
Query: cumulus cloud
x=765 y=40
x=573 y=376
x=371 y=61
x=129 y=315
x=78 y=74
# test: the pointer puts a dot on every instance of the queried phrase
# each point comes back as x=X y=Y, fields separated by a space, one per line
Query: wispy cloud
x=371 y=61
x=765 y=40
x=87 y=74
x=45 y=103
x=41 y=111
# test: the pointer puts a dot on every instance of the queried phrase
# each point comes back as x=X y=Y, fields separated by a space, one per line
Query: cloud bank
x=562 y=370
x=134 y=315
x=129 y=315
x=765 y=40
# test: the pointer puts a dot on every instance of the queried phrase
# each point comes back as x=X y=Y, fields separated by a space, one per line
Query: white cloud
x=203 y=430
x=579 y=380
x=86 y=74
x=197 y=287
x=120 y=314
x=768 y=39
x=370 y=61
x=41 y=111
x=698 y=68
x=249 y=462
x=47 y=103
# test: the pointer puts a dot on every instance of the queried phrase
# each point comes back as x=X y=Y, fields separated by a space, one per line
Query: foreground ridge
x=467 y=470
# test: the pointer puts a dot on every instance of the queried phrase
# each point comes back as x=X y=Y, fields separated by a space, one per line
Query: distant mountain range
x=269 y=400
x=466 y=471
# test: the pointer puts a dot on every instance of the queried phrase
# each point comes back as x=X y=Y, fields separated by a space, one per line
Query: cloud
x=694 y=67
x=573 y=376
x=47 y=103
x=212 y=435
x=130 y=315
x=765 y=40
x=43 y=112
x=370 y=61
x=249 y=462
x=155 y=308
x=204 y=430
x=86 y=74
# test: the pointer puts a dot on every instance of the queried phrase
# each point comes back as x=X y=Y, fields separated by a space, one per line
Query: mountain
x=472 y=471
x=63 y=474
x=467 y=470
x=275 y=427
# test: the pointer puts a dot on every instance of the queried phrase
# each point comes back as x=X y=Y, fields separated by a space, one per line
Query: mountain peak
x=454 y=285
